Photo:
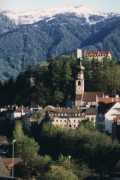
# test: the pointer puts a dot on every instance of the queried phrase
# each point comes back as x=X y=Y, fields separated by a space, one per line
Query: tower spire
x=79 y=83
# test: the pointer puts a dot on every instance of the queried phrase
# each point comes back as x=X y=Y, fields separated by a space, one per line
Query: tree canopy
x=53 y=82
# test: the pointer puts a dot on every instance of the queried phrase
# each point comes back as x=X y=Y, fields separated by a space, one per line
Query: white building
x=94 y=54
x=71 y=117
x=112 y=113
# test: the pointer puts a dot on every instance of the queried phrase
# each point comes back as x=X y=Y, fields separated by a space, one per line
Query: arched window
x=79 y=83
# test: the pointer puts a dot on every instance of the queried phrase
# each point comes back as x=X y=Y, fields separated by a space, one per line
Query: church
x=82 y=97
x=84 y=107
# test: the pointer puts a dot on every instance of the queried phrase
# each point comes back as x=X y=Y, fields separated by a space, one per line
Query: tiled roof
x=65 y=112
x=96 y=53
x=73 y=112
x=90 y=96
x=108 y=100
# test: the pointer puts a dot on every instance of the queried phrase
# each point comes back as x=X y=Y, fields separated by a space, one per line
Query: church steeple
x=79 y=84
x=79 y=81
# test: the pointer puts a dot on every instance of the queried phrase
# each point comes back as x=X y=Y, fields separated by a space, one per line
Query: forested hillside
x=53 y=82
x=23 y=45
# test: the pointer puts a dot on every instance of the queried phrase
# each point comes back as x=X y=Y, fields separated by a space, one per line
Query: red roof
x=96 y=53
x=108 y=100
x=90 y=96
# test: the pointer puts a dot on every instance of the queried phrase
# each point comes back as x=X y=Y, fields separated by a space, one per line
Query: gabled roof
x=89 y=96
x=114 y=110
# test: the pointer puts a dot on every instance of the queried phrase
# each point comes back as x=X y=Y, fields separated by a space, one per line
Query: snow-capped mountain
x=27 y=38
x=31 y=16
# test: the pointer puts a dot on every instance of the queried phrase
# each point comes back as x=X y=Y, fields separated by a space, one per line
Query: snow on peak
x=28 y=17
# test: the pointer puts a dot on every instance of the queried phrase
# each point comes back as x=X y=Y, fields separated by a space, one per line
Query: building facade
x=71 y=117
x=108 y=109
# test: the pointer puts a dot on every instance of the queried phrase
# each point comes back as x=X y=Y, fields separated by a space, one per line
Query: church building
x=82 y=97
x=84 y=105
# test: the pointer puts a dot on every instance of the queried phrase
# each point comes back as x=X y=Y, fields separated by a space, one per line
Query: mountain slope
x=58 y=33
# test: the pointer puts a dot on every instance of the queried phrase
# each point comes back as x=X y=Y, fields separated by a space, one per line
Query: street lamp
x=69 y=158
x=13 y=154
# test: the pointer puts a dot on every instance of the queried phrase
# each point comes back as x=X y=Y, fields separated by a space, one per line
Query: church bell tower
x=79 y=81
x=79 y=85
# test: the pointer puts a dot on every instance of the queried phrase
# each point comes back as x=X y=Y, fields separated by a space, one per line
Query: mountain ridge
x=23 y=45
x=31 y=16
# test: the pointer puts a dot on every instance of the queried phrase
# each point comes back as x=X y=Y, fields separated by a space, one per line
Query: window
x=79 y=83
x=65 y=114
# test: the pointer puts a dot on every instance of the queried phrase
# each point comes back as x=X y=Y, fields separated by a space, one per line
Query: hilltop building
x=94 y=54
x=100 y=55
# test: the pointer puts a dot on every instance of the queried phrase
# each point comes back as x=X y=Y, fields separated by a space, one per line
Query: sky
x=101 y=5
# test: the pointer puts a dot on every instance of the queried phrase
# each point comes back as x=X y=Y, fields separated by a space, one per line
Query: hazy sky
x=104 y=5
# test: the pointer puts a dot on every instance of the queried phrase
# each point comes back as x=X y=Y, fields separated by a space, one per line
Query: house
x=108 y=111
x=99 y=55
x=65 y=117
x=94 y=54
x=71 y=117
x=111 y=116
x=90 y=115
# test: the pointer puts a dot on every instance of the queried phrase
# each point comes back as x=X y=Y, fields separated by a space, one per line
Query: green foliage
x=18 y=132
x=54 y=81
x=58 y=173
x=87 y=144
x=26 y=147
x=77 y=154
x=87 y=124
x=80 y=169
